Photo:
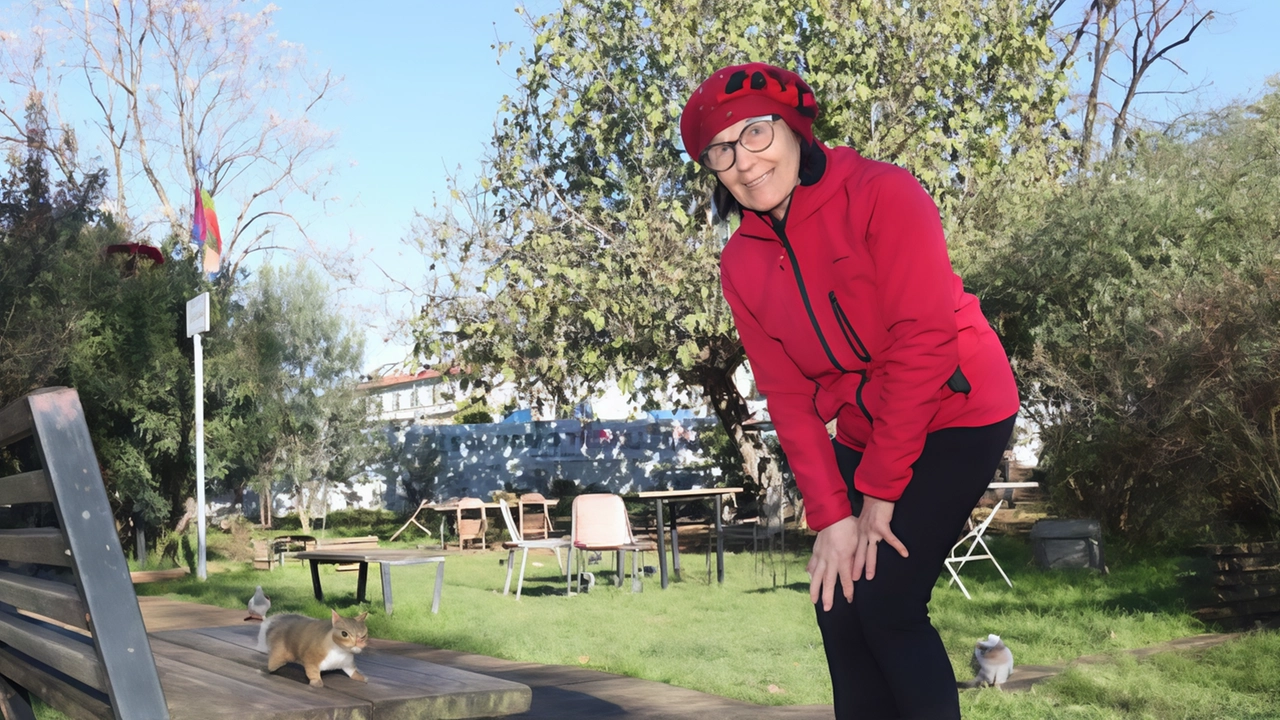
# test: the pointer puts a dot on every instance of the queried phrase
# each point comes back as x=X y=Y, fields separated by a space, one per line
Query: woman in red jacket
x=845 y=300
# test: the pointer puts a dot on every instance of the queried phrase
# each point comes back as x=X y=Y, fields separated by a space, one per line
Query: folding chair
x=471 y=528
x=974 y=538
x=535 y=519
x=518 y=542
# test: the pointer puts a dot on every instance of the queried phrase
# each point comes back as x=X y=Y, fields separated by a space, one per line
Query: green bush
x=1142 y=313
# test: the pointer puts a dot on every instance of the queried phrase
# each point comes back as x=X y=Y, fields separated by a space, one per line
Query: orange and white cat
x=316 y=645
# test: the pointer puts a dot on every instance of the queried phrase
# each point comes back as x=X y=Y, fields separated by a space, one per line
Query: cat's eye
x=344 y=633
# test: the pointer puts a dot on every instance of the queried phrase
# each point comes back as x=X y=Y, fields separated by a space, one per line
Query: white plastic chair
x=974 y=538
x=518 y=542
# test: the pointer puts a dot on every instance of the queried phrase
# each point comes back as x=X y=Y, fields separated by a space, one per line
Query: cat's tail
x=262 y=633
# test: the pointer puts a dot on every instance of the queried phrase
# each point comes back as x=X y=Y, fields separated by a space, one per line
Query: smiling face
x=762 y=181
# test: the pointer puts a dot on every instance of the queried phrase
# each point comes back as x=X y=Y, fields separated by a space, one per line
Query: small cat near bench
x=316 y=645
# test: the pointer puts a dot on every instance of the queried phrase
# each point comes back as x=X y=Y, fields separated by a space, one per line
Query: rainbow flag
x=205 y=233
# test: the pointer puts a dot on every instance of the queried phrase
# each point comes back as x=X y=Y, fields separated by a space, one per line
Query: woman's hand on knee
x=833 y=557
x=873 y=527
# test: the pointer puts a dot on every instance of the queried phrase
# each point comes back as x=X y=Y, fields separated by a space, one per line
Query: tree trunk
x=264 y=504
x=729 y=405
x=301 y=502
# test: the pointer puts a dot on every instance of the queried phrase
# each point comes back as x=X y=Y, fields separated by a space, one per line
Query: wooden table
x=385 y=559
x=217 y=672
x=661 y=497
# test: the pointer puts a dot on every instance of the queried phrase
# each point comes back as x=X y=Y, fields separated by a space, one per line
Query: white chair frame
x=519 y=543
x=955 y=562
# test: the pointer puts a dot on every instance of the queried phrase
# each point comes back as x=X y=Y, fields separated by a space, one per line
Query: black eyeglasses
x=756 y=137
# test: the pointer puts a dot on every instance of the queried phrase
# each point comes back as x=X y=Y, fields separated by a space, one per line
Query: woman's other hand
x=873 y=527
x=833 y=554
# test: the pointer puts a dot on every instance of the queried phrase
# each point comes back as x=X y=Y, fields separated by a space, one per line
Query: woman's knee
x=883 y=604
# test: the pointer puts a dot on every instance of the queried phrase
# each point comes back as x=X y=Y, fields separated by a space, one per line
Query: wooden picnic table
x=662 y=497
x=385 y=559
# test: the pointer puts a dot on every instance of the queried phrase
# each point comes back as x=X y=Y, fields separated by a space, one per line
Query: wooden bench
x=268 y=553
x=71 y=632
x=342 y=544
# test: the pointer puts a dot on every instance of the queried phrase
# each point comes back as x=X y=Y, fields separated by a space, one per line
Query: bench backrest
x=365 y=542
x=70 y=628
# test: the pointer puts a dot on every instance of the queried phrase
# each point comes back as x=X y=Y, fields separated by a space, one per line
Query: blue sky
x=423 y=84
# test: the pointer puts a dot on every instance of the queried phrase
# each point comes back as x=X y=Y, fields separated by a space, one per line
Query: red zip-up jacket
x=850 y=310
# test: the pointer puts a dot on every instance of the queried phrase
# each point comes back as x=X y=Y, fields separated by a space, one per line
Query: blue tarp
x=681 y=414
x=519 y=416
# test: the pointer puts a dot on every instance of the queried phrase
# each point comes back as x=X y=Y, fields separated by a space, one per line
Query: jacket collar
x=825 y=173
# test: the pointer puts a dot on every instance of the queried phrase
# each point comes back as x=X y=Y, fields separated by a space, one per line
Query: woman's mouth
x=758 y=181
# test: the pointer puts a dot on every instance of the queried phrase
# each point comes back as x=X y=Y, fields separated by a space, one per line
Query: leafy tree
x=290 y=372
x=132 y=366
x=586 y=254
x=182 y=93
x=107 y=325
x=46 y=261
x=1144 y=314
x=477 y=413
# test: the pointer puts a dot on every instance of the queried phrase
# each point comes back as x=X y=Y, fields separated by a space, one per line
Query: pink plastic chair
x=600 y=523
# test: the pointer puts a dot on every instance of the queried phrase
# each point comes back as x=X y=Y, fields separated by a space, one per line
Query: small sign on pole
x=198 y=314
x=197 y=323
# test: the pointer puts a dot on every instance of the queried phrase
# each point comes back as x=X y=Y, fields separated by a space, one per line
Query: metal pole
x=201 y=569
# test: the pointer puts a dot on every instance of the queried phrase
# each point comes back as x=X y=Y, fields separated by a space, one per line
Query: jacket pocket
x=850 y=335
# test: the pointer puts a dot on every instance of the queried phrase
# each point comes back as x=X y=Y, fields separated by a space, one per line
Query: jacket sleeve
x=801 y=430
x=915 y=286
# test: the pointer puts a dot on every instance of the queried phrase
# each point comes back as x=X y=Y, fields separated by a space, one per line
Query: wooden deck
x=206 y=653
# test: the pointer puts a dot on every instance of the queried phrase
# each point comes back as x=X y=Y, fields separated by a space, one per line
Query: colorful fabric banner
x=205 y=233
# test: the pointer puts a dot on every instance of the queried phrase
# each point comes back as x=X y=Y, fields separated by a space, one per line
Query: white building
x=423 y=397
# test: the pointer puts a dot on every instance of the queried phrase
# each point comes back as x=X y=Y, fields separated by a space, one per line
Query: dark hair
x=724 y=205
x=813 y=163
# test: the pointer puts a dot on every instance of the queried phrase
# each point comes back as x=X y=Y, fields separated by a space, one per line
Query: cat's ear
x=362 y=616
x=336 y=616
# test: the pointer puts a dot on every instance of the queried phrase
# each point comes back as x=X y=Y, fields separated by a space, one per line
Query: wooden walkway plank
x=197 y=685
x=398 y=687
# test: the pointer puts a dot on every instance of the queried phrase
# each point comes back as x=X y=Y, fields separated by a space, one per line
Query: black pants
x=886 y=659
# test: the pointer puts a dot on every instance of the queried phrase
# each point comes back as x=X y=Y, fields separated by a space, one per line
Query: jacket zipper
x=779 y=228
x=808 y=306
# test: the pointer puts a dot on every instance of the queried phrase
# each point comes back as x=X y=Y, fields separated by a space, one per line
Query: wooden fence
x=1246 y=585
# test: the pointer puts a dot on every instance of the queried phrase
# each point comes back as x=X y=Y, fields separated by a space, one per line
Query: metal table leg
x=719 y=543
x=662 y=545
x=386 y=585
x=435 y=591
x=362 y=581
x=315 y=580
x=675 y=546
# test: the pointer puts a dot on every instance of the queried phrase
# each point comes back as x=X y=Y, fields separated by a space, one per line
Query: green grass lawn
x=739 y=639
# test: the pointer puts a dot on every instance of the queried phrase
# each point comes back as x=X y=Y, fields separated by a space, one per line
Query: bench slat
x=84 y=512
x=71 y=654
x=35 y=545
x=53 y=599
x=15 y=421
x=400 y=686
x=28 y=487
x=200 y=685
x=63 y=696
